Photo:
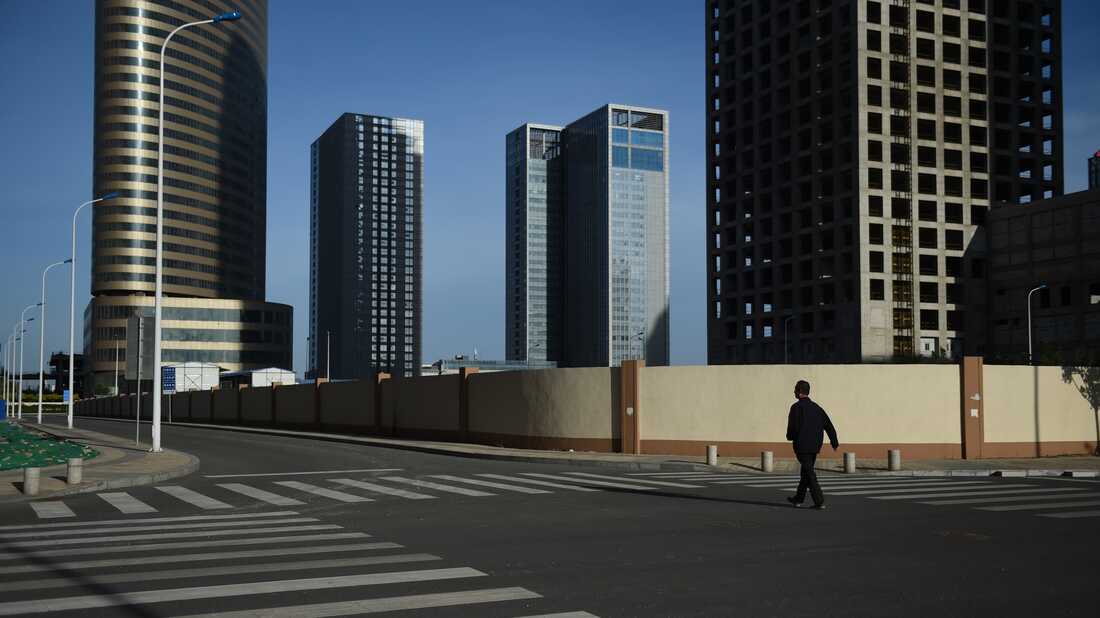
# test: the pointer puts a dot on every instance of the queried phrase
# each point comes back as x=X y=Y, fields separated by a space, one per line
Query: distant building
x=1094 y=171
x=587 y=239
x=366 y=205
x=445 y=366
x=59 y=369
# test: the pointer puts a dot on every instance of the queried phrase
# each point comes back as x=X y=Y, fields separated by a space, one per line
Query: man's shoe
x=818 y=507
x=795 y=502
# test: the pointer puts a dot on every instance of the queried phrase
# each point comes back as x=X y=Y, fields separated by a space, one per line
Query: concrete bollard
x=30 y=481
x=767 y=461
x=712 y=455
x=894 y=459
x=75 y=473
x=849 y=463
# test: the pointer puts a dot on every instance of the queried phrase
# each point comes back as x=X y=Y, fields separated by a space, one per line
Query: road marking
x=168 y=535
x=51 y=510
x=437 y=486
x=1041 y=505
x=857 y=485
x=980 y=491
x=151 y=527
x=121 y=549
x=646 y=481
x=231 y=476
x=218 y=571
x=1074 y=515
x=71 y=524
x=126 y=503
x=504 y=486
x=382 y=605
x=1017 y=498
x=115 y=599
x=382 y=489
x=975 y=486
x=222 y=555
x=866 y=482
x=321 y=491
x=564 y=615
x=540 y=483
x=743 y=481
x=672 y=475
x=558 y=477
x=193 y=497
x=260 y=494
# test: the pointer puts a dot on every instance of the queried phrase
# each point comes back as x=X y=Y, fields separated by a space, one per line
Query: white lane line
x=191 y=573
x=980 y=491
x=437 y=486
x=868 y=482
x=51 y=510
x=564 y=615
x=149 y=520
x=151 y=527
x=115 y=599
x=382 y=489
x=674 y=475
x=747 y=481
x=193 y=497
x=233 y=476
x=1056 y=496
x=976 y=486
x=125 y=549
x=1040 y=506
x=558 y=477
x=321 y=491
x=260 y=494
x=847 y=486
x=645 y=481
x=54 y=567
x=126 y=503
x=517 y=479
x=504 y=486
x=1074 y=515
x=382 y=604
x=169 y=535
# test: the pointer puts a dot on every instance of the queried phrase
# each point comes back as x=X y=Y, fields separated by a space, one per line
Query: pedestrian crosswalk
x=296 y=574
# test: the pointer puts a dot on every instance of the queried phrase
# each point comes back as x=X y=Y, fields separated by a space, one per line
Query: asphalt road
x=323 y=529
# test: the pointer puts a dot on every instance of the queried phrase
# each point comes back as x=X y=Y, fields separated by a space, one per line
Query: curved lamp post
x=42 y=335
x=159 y=286
x=72 y=302
x=22 y=322
x=1030 y=357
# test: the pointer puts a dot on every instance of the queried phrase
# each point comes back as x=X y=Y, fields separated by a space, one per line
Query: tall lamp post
x=42 y=335
x=1030 y=357
x=159 y=285
x=22 y=324
x=72 y=303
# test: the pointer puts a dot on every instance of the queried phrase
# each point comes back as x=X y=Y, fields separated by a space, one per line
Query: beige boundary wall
x=929 y=411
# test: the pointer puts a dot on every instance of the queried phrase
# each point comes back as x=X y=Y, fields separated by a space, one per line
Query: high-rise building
x=587 y=245
x=215 y=184
x=854 y=148
x=366 y=209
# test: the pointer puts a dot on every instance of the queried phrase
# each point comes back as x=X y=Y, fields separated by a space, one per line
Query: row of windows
x=638 y=158
x=195 y=314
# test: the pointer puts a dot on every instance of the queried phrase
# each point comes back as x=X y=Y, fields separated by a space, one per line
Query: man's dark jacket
x=805 y=424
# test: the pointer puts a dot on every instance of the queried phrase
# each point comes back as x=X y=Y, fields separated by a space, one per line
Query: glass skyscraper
x=365 y=247
x=589 y=216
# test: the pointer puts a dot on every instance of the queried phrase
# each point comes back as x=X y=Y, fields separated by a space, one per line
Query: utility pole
x=328 y=355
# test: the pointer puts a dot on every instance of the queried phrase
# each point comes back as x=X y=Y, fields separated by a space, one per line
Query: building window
x=878 y=289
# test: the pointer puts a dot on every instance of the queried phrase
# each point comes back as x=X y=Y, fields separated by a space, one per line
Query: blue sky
x=471 y=71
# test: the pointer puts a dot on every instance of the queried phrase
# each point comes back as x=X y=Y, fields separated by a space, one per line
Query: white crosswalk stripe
x=1041 y=505
x=559 y=477
x=969 y=486
x=964 y=492
x=269 y=540
x=260 y=494
x=588 y=475
x=323 y=492
x=52 y=510
x=517 y=479
x=437 y=486
x=126 y=503
x=151 y=527
x=75 y=524
x=1072 y=515
x=193 y=497
x=564 y=615
x=165 y=535
x=494 y=485
x=876 y=486
x=1056 y=493
x=382 y=489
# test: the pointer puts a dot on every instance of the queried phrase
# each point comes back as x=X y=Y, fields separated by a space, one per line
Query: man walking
x=805 y=424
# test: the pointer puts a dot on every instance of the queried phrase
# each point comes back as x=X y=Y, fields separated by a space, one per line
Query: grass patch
x=20 y=448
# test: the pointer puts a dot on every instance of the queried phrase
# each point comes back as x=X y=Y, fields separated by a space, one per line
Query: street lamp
x=1030 y=358
x=159 y=285
x=786 y=321
x=72 y=303
x=22 y=321
x=42 y=334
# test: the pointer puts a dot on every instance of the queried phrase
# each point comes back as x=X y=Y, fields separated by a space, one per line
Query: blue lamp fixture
x=231 y=16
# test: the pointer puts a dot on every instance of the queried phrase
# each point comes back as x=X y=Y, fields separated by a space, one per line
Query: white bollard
x=767 y=461
x=30 y=481
x=712 y=455
x=894 y=458
x=849 y=463
x=75 y=473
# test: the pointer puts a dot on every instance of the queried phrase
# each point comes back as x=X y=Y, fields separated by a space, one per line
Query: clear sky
x=472 y=71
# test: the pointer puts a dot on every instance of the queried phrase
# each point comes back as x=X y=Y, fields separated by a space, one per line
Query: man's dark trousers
x=808 y=479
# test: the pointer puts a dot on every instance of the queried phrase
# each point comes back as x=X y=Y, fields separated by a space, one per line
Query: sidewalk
x=1083 y=466
x=120 y=464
